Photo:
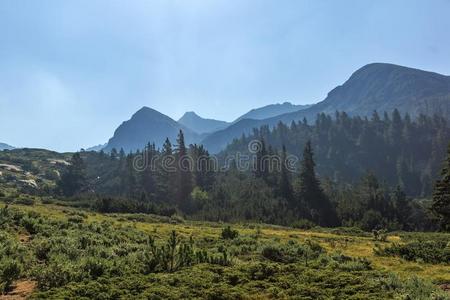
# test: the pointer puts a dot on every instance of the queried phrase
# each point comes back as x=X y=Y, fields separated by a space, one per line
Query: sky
x=72 y=71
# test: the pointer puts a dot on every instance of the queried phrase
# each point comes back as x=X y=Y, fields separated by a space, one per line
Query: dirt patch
x=445 y=287
x=24 y=238
x=22 y=289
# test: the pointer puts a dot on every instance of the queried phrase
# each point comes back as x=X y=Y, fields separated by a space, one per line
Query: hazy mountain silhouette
x=4 y=146
x=148 y=126
x=379 y=86
x=271 y=110
x=200 y=125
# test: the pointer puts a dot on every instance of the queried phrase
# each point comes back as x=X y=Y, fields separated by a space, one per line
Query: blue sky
x=72 y=71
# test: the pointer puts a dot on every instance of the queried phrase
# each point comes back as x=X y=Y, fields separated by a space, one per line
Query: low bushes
x=229 y=234
x=434 y=252
x=24 y=201
x=114 y=257
x=10 y=270
x=293 y=252
x=303 y=224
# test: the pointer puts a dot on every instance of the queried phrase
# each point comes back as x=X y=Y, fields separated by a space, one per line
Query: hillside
x=4 y=146
x=67 y=253
x=381 y=87
x=401 y=151
x=271 y=110
x=200 y=125
x=31 y=170
x=148 y=126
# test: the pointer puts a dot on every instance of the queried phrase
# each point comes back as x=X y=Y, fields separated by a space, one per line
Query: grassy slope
x=355 y=246
x=160 y=228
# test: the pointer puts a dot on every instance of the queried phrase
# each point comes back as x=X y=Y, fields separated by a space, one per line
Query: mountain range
x=375 y=87
x=271 y=110
x=148 y=126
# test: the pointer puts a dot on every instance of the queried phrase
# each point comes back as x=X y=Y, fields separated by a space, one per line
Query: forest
x=376 y=173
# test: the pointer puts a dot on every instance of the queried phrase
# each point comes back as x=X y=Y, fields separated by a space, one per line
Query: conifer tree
x=73 y=180
x=130 y=177
x=402 y=207
x=203 y=168
x=441 y=195
x=166 y=174
x=113 y=153
x=184 y=175
x=311 y=193
x=261 y=161
x=148 y=177
x=285 y=186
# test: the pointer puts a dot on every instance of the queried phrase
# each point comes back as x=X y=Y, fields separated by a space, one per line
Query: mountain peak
x=201 y=125
x=189 y=114
x=147 y=126
x=381 y=69
x=145 y=110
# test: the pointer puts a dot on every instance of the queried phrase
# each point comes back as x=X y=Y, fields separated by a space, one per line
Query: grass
x=337 y=273
x=349 y=245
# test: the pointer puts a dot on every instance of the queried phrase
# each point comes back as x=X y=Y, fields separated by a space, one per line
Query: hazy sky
x=72 y=71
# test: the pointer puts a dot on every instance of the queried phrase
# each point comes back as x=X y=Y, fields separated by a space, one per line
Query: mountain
x=271 y=110
x=148 y=126
x=218 y=140
x=379 y=86
x=200 y=125
x=4 y=146
x=97 y=148
x=385 y=87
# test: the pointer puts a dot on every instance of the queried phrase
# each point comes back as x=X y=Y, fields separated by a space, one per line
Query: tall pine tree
x=285 y=187
x=441 y=195
x=184 y=175
x=166 y=172
x=310 y=192
x=73 y=180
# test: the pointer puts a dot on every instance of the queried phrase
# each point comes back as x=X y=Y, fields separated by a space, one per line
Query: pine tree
x=113 y=153
x=261 y=168
x=285 y=186
x=311 y=193
x=130 y=184
x=122 y=153
x=166 y=174
x=441 y=195
x=73 y=180
x=184 y=176
x=147 y=176
x=203 y=168
x=402 y=207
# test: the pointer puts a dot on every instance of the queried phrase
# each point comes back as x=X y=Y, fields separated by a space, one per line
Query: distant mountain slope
x=97 y=148
x=4 y=146
x=384 y=87
x=200 y=125
x=271 y=110
x=378 y=86
x=217 y=141
x=148 y=125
